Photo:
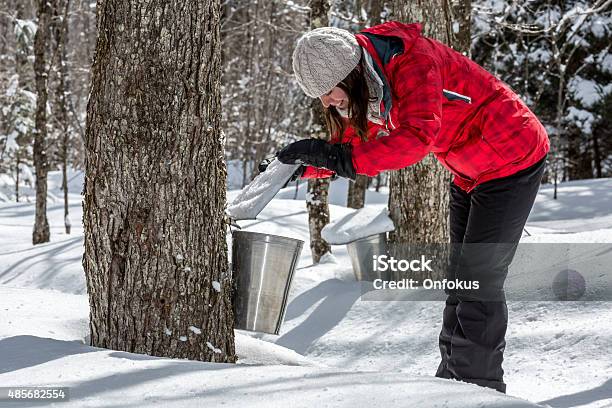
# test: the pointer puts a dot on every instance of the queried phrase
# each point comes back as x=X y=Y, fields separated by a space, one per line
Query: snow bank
x=106 y=378
x=41 y=344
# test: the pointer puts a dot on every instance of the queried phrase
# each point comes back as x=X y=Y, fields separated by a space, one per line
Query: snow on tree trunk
x=419 y=194
x=155 y=232
x=41 y=224
x=317 y=202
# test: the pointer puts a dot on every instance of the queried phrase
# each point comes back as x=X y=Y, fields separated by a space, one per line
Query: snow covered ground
x=333 y=350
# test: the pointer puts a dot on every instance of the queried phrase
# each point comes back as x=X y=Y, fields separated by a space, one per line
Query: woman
x=392 y=96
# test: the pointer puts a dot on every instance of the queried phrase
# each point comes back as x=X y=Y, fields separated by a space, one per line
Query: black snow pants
x=472 y=339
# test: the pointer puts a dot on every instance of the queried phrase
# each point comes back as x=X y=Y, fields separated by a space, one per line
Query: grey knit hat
x=323 y=57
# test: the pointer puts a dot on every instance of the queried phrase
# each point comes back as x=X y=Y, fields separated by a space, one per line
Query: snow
x=334 y=349
x=217 y=286
x=370 y=220
x=581 y=118
x=213 y=348
x=600 y=26
x=605 y=62
x=586 y=91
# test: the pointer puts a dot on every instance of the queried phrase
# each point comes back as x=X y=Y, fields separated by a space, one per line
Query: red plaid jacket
x=444 y=103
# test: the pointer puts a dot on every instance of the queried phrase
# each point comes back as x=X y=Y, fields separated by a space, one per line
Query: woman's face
x=336 y=97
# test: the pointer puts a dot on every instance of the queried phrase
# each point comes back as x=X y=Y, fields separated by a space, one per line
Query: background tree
x=41 y=39
x=317 y=199
x=155 y=234
x=60 y=35
x=556 y=56
x=17 y=98
x=365 y=18
x=263 y=107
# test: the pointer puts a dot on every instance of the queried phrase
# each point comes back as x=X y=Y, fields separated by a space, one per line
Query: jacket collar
x=383 y=42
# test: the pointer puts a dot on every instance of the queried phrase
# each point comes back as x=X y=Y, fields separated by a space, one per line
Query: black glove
x=265 y=163
x=319 y=153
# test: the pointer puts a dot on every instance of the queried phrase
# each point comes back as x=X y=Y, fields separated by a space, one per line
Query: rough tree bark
x=317 y=201
x=155 y=250
x=419 y=194
x=41 y=224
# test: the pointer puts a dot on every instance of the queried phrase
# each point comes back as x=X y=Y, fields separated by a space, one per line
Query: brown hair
x=356 y=88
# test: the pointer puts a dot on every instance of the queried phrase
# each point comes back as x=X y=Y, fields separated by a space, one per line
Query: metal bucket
x=362 y=251
x=263 y=267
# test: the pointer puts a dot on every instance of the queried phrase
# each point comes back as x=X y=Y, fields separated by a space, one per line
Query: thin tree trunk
x=317 y=202
x=41 y=224
x=461 y=26
x=355 y=197
x=357 y=191
x=376 y=7
x=61 y=36
x=17 y=171
x=596 y=156
x=155 y=233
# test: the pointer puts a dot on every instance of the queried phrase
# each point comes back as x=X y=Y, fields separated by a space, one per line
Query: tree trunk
x=61 y=36
x=17 y=171
x=461 y=26
x=357 y=191
x=376 y=7
x=155 y=249
x=419 y=194
x=41 y=224
x=596 y=156
x=317 y=201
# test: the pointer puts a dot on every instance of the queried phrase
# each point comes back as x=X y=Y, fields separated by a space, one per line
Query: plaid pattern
x=494 y=136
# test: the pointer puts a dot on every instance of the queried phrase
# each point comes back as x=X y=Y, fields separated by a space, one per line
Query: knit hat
x=323 y=57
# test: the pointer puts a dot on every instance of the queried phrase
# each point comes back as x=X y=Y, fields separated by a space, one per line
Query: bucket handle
x=232 y=222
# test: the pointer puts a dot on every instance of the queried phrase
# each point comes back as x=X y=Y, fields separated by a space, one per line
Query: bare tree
x=60 y=33
x=552 y=40
x=357 y=189
x=461 y=25
x=155 y=233
x=317 y=201
x=41 y=40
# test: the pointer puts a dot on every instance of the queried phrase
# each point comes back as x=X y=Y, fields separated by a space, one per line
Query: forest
x=133 y=133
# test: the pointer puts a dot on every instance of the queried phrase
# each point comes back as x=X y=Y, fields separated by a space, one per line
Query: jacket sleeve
x=418 y=88
x=316 y=172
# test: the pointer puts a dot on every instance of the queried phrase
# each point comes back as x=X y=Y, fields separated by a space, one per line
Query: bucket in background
x=262 y=267
x=362 y=252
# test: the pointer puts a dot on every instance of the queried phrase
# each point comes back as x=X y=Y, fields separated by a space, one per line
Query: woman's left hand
x=319 y=153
